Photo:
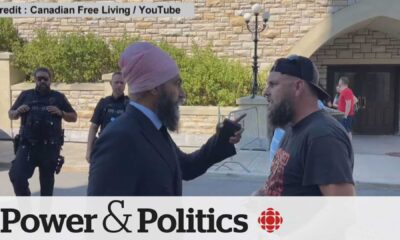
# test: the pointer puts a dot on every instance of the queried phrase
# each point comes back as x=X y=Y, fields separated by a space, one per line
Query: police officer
x=41 y=135
x=107 y=109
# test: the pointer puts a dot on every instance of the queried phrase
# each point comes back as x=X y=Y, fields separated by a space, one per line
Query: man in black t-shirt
x=107 y=110
x=41 y=136
x=315 y=156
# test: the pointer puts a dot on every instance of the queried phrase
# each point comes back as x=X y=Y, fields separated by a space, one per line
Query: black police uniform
x=41 y=138
x=108 y=109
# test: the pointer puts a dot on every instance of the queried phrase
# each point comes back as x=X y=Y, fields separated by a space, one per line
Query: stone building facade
x=218 y=23
x=358 y=38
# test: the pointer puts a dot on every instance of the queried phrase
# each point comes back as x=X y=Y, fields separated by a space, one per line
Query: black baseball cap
x=303 y=68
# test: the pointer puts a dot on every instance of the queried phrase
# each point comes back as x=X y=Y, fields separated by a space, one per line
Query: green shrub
x=179 y=55
x=211 y=80
x=72 y=57
x=43 y=50
x=261 y=79
x=8 y=35
x=117 y=46
x=208 y=79
x=84 y=58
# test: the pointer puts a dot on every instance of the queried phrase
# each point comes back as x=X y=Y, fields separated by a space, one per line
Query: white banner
x=200 y=218
x=97 y=9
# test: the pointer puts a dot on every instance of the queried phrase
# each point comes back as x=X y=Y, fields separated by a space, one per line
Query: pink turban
x=145 y=66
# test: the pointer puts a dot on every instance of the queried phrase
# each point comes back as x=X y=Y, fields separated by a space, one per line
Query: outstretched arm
x=216 y=149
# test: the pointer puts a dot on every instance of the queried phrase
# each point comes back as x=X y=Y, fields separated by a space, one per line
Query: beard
x=281 y=114
x=43 y=89
x=168 y=111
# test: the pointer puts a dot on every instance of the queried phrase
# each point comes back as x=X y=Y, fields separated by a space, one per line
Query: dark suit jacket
x=132 y=158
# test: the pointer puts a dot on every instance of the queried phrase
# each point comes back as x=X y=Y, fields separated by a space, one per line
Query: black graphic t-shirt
x=316 y=151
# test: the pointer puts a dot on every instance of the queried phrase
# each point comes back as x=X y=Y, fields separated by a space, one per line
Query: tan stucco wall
x=9 y=75
x=5 y=92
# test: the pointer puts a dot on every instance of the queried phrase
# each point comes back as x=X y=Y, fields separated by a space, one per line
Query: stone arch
x=382 y=15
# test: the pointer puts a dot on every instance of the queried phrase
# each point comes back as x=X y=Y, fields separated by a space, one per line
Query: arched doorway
x=362 y=42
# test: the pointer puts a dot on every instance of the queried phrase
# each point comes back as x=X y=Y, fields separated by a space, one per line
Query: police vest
x=40 y=125
x=112 y=110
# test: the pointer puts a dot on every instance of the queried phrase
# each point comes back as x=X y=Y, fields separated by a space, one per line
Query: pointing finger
x=240 y=118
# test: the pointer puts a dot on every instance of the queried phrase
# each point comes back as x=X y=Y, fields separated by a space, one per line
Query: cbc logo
x=270 y=220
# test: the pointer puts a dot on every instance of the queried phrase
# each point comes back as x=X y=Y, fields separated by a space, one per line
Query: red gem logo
x=270 y=220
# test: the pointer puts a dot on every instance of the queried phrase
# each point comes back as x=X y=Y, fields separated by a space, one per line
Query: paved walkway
x=372 y=164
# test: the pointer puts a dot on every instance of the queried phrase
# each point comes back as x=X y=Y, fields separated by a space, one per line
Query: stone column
x=9 y=76
x=255 y=123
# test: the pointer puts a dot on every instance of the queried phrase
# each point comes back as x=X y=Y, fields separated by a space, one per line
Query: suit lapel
x=155 y=138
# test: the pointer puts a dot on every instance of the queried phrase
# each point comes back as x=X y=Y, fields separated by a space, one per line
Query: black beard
x=168 y=111
x=281 y=114
x=43 y=89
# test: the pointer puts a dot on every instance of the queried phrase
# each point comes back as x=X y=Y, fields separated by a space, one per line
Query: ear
x=299 y=86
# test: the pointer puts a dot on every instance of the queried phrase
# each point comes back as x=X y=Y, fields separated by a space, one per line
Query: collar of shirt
x=148 y=113
x=321 y=105
x=37 y=93
x=120 y=98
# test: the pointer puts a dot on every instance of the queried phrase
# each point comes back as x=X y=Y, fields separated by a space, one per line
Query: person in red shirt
x=346 y=104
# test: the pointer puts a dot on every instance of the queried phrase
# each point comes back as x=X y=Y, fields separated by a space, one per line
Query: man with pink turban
x=135 y=155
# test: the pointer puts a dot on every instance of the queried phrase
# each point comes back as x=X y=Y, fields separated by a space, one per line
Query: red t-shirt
x=346 y=95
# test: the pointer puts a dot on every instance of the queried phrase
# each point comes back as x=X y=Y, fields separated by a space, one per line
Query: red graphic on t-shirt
x=274 y=185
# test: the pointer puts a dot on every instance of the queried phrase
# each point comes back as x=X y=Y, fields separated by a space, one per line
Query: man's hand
x=238 y=134
x=15 y=114
x=54 y=110
x=236 y=138
x=23 y=109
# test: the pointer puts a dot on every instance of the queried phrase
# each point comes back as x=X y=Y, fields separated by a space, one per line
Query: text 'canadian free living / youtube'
x=104 y=9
